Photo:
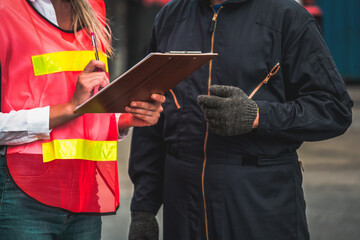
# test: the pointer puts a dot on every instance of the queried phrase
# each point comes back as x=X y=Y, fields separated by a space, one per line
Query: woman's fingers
x=145 y=107
x=87 y=82
x=95 y=66
x=149 y=106
x=91 y=80
x=146 y=113
x=141 y=120
x=158 y=98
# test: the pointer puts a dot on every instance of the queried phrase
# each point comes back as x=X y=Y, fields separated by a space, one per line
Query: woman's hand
x=93 y=76
x=141 y=113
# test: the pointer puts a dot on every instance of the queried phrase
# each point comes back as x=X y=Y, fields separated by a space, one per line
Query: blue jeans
x=23 y=218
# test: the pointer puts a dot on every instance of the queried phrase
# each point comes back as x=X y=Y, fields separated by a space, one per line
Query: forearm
x=309 y=118
x=256 y=121
x=24 y=126
x=61 y=113
x=146 y=167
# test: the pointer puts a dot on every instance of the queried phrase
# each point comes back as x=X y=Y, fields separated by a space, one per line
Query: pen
x=94 y=46
x=93 y=41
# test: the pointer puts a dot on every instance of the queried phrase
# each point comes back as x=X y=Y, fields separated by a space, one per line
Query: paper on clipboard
x=156 y=73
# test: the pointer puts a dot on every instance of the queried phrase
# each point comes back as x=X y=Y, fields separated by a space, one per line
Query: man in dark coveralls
x=225 y=166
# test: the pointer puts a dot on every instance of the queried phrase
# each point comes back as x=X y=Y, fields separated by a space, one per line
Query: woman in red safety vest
x=58 y=170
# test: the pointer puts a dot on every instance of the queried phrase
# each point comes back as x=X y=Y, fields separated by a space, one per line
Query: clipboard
x=156 y=73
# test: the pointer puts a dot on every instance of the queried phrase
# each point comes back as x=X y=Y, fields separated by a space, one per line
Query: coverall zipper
x=272 y=72
x=212 y=30
x=175 y=99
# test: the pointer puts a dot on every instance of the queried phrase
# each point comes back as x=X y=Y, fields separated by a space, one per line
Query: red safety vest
x=76 y=168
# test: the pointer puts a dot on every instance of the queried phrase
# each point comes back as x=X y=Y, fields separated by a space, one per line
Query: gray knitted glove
x=228 y=110
x=143 y=226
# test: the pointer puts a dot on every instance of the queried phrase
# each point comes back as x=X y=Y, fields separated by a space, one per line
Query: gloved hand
x=228 y=110
x=143 y=226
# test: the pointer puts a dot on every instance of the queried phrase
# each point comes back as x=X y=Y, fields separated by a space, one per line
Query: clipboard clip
x=184 y=52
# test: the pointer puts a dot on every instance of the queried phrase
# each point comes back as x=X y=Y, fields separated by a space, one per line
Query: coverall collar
x=237 y=1
x=231 y=1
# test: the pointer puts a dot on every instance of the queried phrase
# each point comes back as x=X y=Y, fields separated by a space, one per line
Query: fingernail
x=133 y=104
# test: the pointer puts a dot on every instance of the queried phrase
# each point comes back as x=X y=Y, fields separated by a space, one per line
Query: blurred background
x=332 y=168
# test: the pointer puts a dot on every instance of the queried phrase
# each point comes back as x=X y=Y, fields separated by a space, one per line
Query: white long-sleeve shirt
x=46 y=9
x=24 y=126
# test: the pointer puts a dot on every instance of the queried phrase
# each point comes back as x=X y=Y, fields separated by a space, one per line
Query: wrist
x=141 y=216
x=256 y=121
x=69 y=109
x=60 y=114
x=125 y=122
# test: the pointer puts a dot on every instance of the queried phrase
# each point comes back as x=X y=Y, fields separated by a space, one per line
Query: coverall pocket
x=326 y=74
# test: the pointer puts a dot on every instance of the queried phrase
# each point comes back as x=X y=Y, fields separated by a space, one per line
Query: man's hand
x=143 y=226
x=142 y=114
x=228 y=110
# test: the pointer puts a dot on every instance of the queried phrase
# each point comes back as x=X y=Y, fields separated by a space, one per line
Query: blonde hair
x=83 y=16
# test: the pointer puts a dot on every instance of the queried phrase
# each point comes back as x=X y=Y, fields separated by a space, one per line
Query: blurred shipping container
x=341 y=27
x=340 y=21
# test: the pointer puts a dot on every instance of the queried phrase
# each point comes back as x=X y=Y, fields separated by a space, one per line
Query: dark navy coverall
x=247 y=186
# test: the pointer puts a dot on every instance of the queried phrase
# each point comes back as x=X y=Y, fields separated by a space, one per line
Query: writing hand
x=88 y=80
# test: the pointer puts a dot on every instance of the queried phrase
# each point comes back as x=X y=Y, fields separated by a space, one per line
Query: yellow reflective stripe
x=64 y=61
x=80 y=149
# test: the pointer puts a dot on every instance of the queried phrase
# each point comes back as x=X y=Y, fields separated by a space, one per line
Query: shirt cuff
x=38 y=122
x=120 y=134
